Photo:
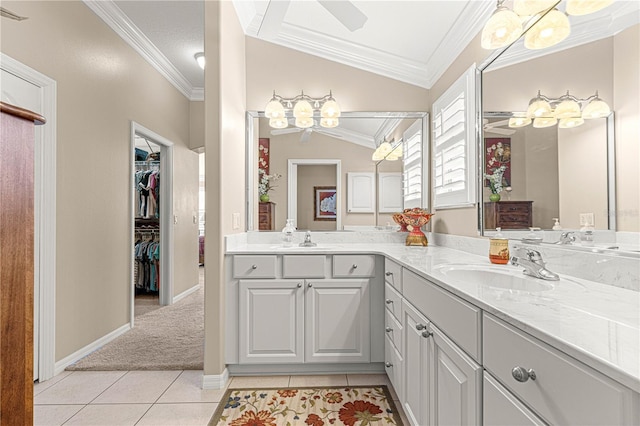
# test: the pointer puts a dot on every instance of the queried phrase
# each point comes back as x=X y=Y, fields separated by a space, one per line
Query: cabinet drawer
x=250 y=266
x=522 y=208
x=394 y=366
x=303 y=266
x=358 y=265
x=393 y=274
x=393 y=301
x=565 y=391
x=458 y=319
x=393 y=330
x=501 y=408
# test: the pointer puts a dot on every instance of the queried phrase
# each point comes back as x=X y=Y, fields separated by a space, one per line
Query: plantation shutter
x=412 y=169
x=454 y=147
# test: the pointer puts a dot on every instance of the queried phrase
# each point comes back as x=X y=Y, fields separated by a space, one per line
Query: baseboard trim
x=213 y=381
x=81 y=353
x=293 y=369
x=186 y=293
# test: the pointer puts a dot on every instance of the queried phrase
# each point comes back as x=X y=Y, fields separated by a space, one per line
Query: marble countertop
x=595 y=323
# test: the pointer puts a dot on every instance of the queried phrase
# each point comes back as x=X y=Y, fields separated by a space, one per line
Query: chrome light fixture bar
x=303 y=108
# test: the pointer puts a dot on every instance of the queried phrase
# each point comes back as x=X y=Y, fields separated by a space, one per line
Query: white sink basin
x=498 y=277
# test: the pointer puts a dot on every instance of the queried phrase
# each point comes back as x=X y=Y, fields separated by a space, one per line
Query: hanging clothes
x=148 y=191
x=147 y=266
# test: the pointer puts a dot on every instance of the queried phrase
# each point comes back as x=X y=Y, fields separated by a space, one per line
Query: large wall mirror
x=325 y=179
x=578 y=175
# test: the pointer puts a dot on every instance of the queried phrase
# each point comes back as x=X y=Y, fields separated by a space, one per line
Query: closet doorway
x=151 y=214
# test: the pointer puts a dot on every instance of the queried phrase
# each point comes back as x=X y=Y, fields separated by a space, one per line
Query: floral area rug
x=352 y=406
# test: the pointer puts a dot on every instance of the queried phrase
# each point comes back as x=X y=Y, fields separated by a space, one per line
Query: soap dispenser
x=287 y=233
x=499 y=248
x=556 y=225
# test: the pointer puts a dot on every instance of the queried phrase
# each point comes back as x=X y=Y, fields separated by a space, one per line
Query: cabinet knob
x=388 y=329
x=388 y=273
x=388 y=364
x=299 y=285
x=426 y=334
x=355 y=266
x=388 y=301
x=254 y=266
x=420 y=327
x=521 y=374
x=310 y=285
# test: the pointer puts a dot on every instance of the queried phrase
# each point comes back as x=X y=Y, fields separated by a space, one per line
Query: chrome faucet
x=567 y=238
x=307 y=240
x=531 y=261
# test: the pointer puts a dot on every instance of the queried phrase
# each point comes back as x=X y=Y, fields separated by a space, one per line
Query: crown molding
x=113 y=16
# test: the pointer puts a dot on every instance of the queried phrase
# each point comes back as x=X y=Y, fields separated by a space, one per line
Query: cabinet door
x=361 y=191
x=337 y=321
x=390 y=192
x=455 y=383
x=501 y=408
x=416 y=366
x=271 y=321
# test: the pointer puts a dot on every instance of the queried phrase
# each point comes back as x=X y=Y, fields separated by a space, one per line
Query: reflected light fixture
x=200 y=59
x=385 y=151
x=503 y=28
x=302 y=108
x=551 y=29
x=567 y=110
x=531 y=7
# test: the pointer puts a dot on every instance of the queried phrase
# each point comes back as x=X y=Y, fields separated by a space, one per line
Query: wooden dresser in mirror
x=508 y=215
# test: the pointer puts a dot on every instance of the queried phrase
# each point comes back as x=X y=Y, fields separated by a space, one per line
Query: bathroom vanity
x=462 y=341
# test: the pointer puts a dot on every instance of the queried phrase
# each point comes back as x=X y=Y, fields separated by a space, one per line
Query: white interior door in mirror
x=390 y=192
x=361 y=190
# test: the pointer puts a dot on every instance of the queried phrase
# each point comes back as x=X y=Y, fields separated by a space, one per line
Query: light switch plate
x=235 y=219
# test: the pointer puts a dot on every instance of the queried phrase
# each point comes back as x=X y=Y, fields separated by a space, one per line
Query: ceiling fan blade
x=499 y=131
x=273 y=18
x=497 y=123
x=276 y=132
x=329 y=133
x=345 y=12
x=306 y=136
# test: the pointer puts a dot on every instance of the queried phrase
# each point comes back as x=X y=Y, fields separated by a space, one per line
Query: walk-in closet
x=147 y=278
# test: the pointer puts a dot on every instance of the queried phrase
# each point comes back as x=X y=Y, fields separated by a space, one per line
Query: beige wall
x=310 y=176
x=196 y=126
x=626 y=103
x=102 y=84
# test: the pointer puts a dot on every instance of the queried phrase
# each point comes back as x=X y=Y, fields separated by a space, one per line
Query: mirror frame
x=611 y=169
x=251 y=162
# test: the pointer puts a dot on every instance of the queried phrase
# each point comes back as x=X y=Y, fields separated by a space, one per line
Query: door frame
x=45 y=213
x=292 y=185
x=166 y=214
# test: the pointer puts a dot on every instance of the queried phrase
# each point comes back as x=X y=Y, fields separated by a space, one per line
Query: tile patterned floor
x=156 y=398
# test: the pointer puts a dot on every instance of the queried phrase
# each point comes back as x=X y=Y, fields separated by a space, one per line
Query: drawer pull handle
x=299 y=285
x=420 y=327
x=355 y=266
x=427 y=334
x=254 y=266
x=521 y=374
x=388 y=364
x=388 y=329
x=388 y=301
x=310 y=285
x=388 y=273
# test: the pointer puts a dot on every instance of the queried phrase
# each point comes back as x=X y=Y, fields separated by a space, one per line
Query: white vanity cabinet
x=393 y=328
x=303 y=309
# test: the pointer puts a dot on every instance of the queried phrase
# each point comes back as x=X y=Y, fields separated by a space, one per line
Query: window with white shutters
x=413 y=167
x=454 y=144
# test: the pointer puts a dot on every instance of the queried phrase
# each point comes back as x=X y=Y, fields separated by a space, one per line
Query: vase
x=494 y=198
x=264 y=198
x=415 y=219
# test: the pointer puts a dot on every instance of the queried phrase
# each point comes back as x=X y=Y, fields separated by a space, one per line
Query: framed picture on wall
x=498 y=153
x=324 y=202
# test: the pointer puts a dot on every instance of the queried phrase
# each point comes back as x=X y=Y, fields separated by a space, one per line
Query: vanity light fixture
x=567 y=110
x=302 y=108
x=506 y=25
x=385 y=150
x=200 y=59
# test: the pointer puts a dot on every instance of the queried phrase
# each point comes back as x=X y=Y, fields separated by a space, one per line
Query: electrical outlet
x=235 y=219
x=587 y=219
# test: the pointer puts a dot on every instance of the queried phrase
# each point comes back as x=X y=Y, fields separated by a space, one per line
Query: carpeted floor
x=307 y=406
x=350 y=405
x=167 y=338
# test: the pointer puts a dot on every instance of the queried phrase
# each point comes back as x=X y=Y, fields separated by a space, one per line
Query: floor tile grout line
x=109 y=387
x=75 y=414
x=167 y=388
x=54 y=384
